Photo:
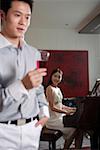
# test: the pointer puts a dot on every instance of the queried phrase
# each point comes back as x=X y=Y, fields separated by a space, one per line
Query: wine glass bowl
x=44 y=55
x=44 y=58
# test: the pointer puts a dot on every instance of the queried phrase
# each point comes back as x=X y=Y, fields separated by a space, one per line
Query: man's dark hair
x=6 y=4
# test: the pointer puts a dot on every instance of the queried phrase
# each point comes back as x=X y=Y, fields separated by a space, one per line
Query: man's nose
x=22 y=21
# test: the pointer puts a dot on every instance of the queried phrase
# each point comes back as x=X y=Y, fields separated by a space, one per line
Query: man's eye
x=17 y=15
x=27 y=17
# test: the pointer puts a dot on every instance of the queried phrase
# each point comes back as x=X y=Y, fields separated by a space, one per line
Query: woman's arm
x=51 y=99
x=68 y=107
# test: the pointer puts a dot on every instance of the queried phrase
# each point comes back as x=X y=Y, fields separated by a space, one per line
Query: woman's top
x=55 y=117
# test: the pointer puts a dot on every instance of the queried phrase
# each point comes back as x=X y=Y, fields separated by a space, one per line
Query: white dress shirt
x=15 y=63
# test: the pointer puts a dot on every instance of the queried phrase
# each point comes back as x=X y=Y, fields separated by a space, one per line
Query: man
x=21 y=93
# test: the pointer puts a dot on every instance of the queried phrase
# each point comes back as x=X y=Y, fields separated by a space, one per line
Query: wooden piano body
x=90 y=117
x=87 y=115
x=87 y=119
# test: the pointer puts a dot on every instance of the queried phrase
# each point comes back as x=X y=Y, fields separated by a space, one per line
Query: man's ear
x=2 y=14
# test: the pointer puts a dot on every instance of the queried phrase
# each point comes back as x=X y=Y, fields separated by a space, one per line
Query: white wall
x=69 y=40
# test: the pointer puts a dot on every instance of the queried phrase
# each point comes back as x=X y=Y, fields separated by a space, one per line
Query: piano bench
x=51 y=136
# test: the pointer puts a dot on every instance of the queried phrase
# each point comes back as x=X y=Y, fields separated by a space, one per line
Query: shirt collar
x=4 y=42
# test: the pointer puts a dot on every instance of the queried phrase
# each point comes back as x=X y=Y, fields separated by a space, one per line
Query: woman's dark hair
x=6 y=4
x=53 y=72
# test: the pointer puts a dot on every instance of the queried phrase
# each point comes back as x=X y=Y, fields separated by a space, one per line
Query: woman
x=57 y=109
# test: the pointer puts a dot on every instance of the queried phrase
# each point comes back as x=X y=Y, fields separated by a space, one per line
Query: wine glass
x=44 y=58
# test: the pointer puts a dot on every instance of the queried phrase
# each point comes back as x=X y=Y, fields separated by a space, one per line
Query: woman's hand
x=70 y=111
x=67 y=107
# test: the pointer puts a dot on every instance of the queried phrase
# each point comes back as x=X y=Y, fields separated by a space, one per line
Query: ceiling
x=63 y=14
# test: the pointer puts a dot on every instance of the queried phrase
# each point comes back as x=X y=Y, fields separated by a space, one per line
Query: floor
x=60 y=143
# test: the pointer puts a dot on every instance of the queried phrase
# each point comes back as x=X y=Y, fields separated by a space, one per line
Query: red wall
x=74 y=65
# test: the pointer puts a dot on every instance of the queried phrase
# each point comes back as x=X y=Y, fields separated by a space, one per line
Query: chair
x=51 y=136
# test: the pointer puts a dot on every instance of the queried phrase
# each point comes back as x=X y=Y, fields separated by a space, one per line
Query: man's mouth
x=20 y=29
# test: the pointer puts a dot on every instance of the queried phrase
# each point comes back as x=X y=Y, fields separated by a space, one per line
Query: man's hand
x=34 y=78
x=42 y=121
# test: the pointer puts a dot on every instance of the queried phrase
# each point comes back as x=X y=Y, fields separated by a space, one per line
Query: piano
x=87 y=116
x=86 y=119
x=90 y=117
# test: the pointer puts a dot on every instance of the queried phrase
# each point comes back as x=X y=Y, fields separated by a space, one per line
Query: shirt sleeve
x=17 y=90
x=43 y=104
x=14 y=92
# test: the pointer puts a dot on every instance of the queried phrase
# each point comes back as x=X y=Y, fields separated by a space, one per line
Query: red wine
x=41 y=64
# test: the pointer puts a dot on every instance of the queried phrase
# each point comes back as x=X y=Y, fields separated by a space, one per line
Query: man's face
x=17 y=19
